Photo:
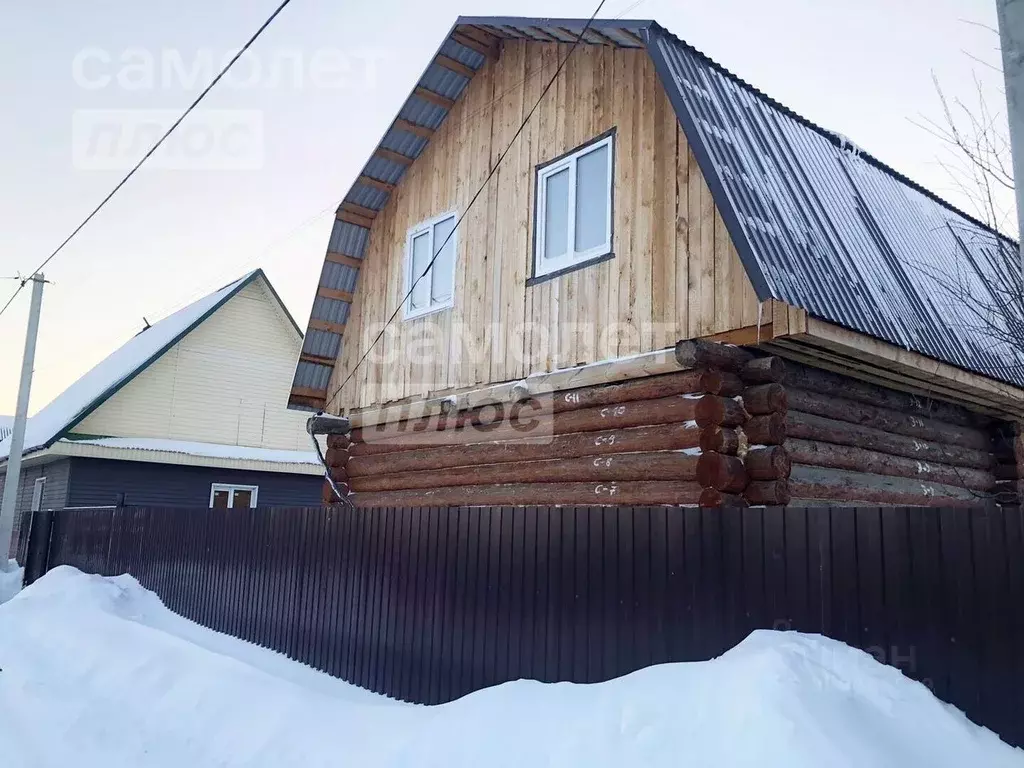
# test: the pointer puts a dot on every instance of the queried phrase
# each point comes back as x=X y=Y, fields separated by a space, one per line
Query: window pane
x=242 y=500
x=420 y=260
x=220 y=499
x=592 y=192
x=556 y=214
x=443 y=273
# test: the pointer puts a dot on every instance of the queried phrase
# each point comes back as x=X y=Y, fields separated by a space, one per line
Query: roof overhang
x=255 y=460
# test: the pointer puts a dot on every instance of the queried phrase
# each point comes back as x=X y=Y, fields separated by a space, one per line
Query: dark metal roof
x=817 y=223
x=826 y=227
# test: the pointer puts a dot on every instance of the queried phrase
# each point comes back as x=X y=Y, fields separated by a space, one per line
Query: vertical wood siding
x=226 y=382
x=676 y=273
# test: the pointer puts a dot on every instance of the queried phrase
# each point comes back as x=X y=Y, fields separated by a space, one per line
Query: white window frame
x=38 y=489
x=428 y=227
x=231 y=488
x=572 y=258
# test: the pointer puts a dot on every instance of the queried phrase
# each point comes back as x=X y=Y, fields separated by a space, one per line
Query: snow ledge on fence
x=97 y=672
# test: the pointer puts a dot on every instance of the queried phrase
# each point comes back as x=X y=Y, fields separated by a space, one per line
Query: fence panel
x=430 y=604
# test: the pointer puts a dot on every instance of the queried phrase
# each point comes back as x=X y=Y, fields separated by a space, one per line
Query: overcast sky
x=861 y=68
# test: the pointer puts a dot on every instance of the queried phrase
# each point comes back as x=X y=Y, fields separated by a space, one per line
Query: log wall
x=853 y=442
x=730 y=428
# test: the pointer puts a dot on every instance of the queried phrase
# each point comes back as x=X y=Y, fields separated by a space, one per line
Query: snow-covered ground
x=10 y=580
x=96 y=672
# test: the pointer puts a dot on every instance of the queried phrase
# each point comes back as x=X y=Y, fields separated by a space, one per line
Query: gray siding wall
x=55 y=490
x=98 y=482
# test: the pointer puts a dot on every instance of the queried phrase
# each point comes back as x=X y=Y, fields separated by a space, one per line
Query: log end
x=767 y=429
x=765 y=398
x=711 y=498
x=768 y=493
x=769 y=463
x=721 y=383
x=712 y=410
x=721 y=472
x=719 y=439
x=338 y=441
x=763 y=370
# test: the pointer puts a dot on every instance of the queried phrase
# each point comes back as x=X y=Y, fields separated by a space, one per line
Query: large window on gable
x=574 y=208
x=436 y=289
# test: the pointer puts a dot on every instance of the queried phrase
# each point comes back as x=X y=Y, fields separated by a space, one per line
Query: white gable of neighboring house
x=227 y=381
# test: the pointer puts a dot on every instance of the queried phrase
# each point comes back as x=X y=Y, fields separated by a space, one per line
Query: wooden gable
x=675 y=272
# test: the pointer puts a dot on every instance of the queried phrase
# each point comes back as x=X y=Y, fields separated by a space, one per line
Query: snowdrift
x=97 y=672
x=10 y=580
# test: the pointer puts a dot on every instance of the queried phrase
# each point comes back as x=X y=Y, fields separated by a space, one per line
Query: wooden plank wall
x=675 y=273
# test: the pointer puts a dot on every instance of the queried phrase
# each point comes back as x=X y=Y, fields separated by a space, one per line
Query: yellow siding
x=676 y=273
x=226 y=382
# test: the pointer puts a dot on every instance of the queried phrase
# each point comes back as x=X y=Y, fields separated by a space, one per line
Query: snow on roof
x=6 y=425
x=213 y=450
x=75 y=402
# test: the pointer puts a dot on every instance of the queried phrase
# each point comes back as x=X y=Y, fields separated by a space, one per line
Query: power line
x=154 y=148
x=575 y=45
x=334 y=205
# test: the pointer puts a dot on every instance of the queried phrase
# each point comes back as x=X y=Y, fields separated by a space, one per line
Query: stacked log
x=636 y=442
x=1009 y=464
x=855 y=442
x=337 y=458
x=720 y=472
x=767 y=460
x=729 y=429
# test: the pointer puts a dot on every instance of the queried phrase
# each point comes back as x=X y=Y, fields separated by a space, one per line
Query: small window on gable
x=574 y=208
x=435 y=290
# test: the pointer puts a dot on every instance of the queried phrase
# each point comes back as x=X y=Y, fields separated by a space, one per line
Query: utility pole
x=11 y=481
x=1011 y=40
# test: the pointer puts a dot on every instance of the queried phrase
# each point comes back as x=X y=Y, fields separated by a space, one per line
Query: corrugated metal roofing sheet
x=340 y=277
x=331 y=310
x=348 y=239
x=321 y=343
x=462 y=54
x=311 y=375
x=443 y=81
x=368 y=197
x=834 y=231
x=404 y=143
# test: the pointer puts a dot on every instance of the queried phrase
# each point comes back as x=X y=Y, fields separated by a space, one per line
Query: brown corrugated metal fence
x=427 y=604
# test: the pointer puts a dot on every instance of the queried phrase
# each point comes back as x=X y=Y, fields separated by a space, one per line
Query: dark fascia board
x=110 y=392
x=633 y=25
x=656 y=29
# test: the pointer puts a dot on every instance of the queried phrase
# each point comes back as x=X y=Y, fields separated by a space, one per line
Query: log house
x=728 y=312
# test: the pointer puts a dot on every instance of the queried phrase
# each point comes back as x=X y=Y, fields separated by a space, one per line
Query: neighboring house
x=189 y=412
x=654 y=197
